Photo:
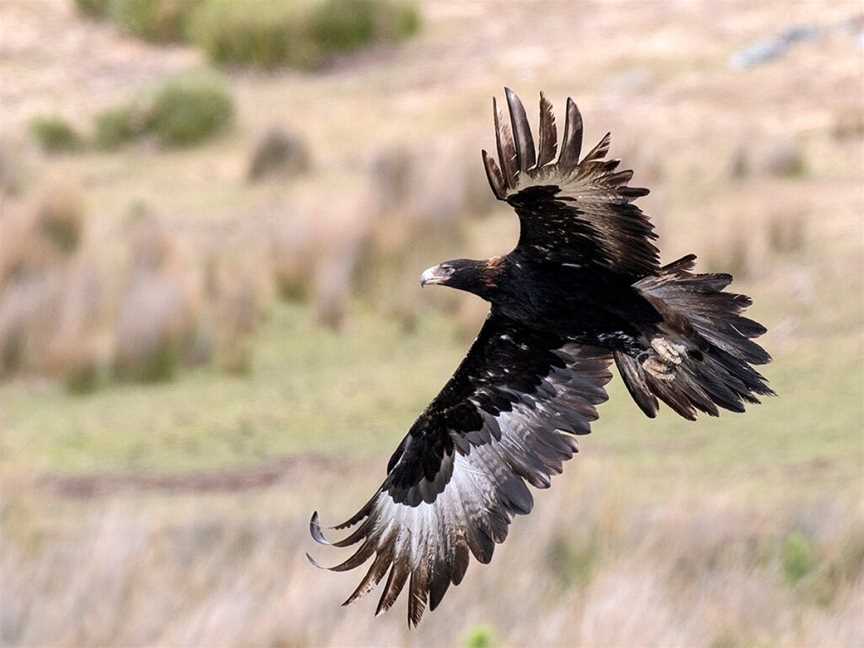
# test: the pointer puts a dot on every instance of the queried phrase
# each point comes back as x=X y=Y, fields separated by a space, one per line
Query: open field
x=174 y=512
x=373 y=391
x=744 y=530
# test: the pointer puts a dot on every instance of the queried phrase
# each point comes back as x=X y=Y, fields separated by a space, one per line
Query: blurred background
x=213 y=216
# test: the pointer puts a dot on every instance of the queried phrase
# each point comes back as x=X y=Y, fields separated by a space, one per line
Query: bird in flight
x=583 y=288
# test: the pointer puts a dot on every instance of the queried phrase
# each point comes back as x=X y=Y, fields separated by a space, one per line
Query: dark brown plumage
x=583 y=287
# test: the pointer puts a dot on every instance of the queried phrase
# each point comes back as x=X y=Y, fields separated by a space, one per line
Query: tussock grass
x=93 y=8
x=60 y=216
x=160 y=21
x=278 y=153
x=188 y=110
x=183 y=111
x=272 y=33
x=55 y=135
x=119 y=125
x=692 y=569
x=267 y=36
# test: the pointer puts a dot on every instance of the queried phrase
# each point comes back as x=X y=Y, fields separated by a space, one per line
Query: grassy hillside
x=173 y=510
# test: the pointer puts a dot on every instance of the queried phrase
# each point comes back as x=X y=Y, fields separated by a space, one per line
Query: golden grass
x=600 y=562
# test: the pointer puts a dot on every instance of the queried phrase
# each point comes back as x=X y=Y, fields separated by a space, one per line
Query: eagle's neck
x=481 y=278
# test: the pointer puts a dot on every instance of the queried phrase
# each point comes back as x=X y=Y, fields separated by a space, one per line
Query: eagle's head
x=478 y=277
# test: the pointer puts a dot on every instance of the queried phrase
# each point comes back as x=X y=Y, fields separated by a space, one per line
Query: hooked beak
x=435 y=275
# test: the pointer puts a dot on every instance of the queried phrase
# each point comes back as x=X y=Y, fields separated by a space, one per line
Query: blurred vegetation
x=119 y=125
x=278 y=153
x=798 y=556
x=480 y=637
x=270 y=33
x=93 y=8
x=55 y=135
x=161 y=21
x=181 y=112
x=60 y=217
x=572 y=560
x=264 y=33
x=346 y=25
x=187 y=111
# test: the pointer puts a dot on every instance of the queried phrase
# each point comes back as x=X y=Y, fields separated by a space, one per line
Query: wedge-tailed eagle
x=582 y=288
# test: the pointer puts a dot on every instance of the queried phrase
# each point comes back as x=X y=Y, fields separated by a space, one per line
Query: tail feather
x=714 y=370
x=636 y=381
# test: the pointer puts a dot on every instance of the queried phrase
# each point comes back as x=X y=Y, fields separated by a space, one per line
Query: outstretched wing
x=507 y=416
x=570 y=211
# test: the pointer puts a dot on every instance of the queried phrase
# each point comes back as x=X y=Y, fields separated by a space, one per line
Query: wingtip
x=315 y=530
x=314 y=562
x=523 y=140
x=415 y=616
x=573 y=108
x=493 y=174
x=571 y=145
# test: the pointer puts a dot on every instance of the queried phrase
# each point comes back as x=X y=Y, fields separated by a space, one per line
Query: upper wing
x=569 y=211
x=453 y=484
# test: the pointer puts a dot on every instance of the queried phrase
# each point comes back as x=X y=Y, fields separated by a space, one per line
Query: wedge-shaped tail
x=715 y=341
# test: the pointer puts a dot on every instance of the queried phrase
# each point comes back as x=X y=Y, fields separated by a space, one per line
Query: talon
x=668 y=351
x=659 y=369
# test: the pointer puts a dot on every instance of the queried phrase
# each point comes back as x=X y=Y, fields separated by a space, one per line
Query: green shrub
x=346 y=25
x=162 y=21
x=182 y=112
x=93 y=8
x=188 y=110
x=270 y=33
x=54 y=134
x=798 y=556
x=117 y=126
x=261 y=33
x=480 y=636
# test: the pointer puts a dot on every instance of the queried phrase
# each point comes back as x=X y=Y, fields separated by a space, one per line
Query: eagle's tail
x=700 y=356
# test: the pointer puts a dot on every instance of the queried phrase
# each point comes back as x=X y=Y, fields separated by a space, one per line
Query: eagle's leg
x=667 y=355
x=669 y=352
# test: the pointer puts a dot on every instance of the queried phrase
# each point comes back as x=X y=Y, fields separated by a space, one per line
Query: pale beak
x=435 y=275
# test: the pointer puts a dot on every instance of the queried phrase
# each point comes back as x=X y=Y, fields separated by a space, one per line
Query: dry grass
x=695 y=569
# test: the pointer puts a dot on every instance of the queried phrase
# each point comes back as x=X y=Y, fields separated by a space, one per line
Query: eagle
x=582 y=289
